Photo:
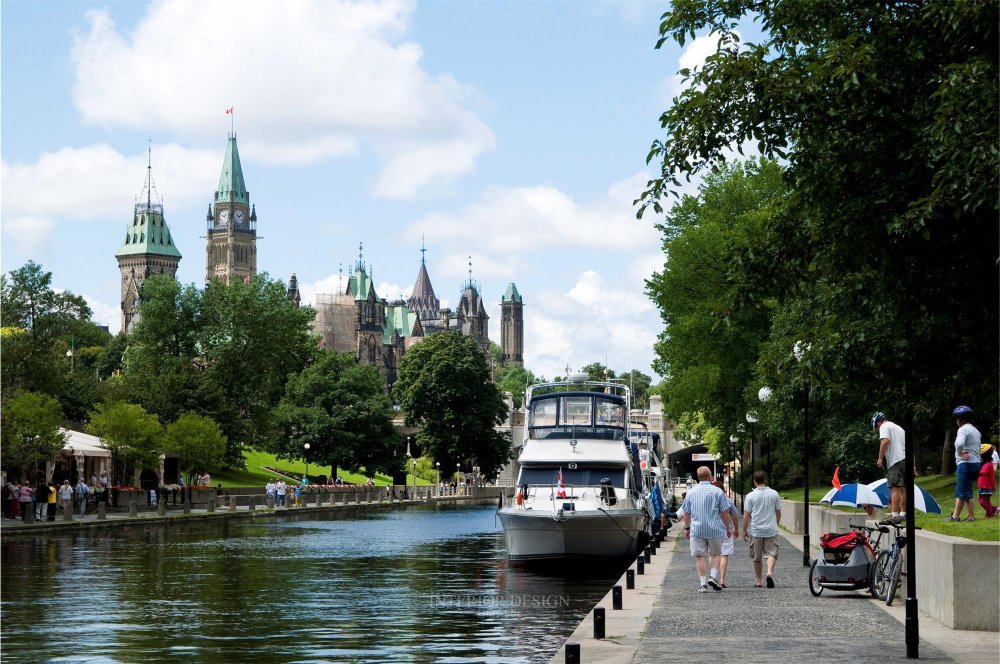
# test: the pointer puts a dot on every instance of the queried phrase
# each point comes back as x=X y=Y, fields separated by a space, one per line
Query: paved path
x=785 y=624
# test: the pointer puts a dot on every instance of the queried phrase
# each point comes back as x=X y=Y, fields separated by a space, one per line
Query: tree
x=340 y=409
x=198 y=440
x=29 y=303
x=444 y=388
x=886 y=113
x=133 y=436
x=515 y=380
x=31 y=431
x=639 y=383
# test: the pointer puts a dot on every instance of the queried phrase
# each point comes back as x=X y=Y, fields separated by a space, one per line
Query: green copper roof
x=398 y=319
x=148 y=234
x=231 y=186
x=511 y=295
x=359 y=285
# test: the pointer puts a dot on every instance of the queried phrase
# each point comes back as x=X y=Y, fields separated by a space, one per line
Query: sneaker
x=896 y=520
x=770 y=582
x=712 y=581
x=703 y=589
x=952 y=519
x=888 y=521
x=970 y=518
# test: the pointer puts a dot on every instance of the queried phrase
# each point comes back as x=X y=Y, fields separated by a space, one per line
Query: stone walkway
x=785 y=624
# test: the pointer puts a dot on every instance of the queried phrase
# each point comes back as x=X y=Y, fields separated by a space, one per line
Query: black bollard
x=616 y=598
x=161 y=508
x=102 y=511
x=572 y=653
x=640 y=566
x=630 y=579
x=645 y=555
x=652 y=549
x=598 y=622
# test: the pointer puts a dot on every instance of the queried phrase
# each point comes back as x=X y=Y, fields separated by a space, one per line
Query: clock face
x=238 y=217
x=223 y=217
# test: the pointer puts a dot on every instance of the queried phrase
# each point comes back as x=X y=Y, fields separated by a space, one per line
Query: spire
x=511 y=295
x=148 y=233
x=422 y=300
x=423 y=249
x=209 y=218
x=232 y=188
x=293 y=290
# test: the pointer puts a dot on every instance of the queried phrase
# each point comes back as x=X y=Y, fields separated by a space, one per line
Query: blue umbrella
x=852 y=495
x=922 y=500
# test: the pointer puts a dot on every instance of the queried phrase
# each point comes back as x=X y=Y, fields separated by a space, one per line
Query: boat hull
x=576 y=535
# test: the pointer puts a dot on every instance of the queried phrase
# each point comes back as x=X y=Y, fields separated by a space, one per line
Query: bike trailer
x=846 y=561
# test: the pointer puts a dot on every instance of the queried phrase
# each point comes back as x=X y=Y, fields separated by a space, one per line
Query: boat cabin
x=592 y=415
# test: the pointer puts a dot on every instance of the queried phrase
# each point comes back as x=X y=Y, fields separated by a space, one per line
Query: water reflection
x=374 y=585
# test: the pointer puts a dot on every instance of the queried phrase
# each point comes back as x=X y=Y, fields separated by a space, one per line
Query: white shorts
x=728 y=546
x=705 y=547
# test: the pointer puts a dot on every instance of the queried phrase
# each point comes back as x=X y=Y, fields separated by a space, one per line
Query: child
x=987 y=481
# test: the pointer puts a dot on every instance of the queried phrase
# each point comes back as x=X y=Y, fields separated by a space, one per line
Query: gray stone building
x=231 y=249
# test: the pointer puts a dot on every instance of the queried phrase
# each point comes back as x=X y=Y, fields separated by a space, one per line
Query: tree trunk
x=947 y=452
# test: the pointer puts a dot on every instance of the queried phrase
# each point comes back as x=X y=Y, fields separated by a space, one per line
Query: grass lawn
x=943 y=490
x=256 y=473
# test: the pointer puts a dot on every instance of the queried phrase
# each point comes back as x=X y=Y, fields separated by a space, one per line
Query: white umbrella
x=852 y=495
x=922 y=500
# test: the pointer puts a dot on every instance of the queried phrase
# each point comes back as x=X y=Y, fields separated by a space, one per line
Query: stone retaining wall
x=956 y=577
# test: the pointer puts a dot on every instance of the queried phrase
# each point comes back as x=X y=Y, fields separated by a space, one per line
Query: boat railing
x=612 y=496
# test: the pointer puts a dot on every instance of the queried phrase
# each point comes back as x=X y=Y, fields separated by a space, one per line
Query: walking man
x=81 y=496
x=269 y=491
x=761 y=513
x=891 y=453
x=707 y=523
x=281 y=488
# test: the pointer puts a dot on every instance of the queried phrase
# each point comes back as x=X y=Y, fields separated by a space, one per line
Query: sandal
x=970 y=518
x=952 y=519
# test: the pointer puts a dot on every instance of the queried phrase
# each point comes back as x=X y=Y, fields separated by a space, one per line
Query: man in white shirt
x=761 y=515
x=891 y=453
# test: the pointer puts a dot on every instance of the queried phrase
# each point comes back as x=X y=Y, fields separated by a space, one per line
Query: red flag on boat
x=562 y=486
x=836 y=479
x=246 y=279
x=229 y=111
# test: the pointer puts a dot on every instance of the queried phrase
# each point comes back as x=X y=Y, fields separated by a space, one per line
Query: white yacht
x=582 y=491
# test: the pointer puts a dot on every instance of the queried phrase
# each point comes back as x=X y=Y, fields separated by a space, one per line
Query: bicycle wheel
x=880 y=575
x=814 y=587
x=897 y=570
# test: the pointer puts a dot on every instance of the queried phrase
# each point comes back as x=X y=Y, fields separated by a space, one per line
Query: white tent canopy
x=79 y=443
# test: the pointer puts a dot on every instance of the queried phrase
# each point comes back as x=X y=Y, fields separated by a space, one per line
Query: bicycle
x=889 y=568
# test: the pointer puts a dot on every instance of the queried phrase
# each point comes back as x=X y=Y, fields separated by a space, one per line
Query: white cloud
x=90 y=183
x=309 y=80
x=693 y=57
x=104 y=314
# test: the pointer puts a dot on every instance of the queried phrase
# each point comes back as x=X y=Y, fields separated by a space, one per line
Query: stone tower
x=231 y=251
x=471 y=315
x=422 y=300
x=148 y=249
x=512 y=327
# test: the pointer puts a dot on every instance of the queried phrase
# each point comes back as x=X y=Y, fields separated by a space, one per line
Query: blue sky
x=511 y=132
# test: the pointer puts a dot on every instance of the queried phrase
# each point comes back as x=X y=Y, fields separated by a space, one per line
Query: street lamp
x=305 y=455
x=457 y=473
x=764 y=394
x=752 y=419
x=799 y=351
x=732 y=441
x=438 y=464
x=475 y=479
x=413 y=467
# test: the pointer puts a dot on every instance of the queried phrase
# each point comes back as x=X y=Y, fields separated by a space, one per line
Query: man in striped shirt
x=707 y=522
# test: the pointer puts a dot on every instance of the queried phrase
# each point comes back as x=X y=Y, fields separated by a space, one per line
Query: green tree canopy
x=199 y=442
x=30 y=431
x=341 y=410
x=515 y=380
x=444 y=388
x=133 y=436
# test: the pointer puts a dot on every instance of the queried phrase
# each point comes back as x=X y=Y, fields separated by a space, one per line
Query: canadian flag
x=562 y=486
x=246 y=279
x=229 y=111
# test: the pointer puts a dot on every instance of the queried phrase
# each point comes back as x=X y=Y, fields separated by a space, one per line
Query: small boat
x=583 y=491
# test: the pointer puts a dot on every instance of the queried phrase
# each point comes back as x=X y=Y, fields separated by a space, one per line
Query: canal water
x=413 y=584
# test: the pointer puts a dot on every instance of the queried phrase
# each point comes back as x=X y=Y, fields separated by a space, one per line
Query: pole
x=912 y=621
x=753 y=453
x=805 y=463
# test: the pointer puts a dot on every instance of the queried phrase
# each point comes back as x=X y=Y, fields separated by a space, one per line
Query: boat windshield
x=591 y=415
x=589 y=476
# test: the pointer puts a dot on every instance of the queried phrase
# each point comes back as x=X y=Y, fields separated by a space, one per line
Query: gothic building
x=231 y=250
x=512 y=327
x=148 y=249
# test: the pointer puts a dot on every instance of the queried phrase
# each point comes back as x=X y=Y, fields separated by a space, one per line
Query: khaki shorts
x=763 y=546
x=705 y=547
x=894 y=474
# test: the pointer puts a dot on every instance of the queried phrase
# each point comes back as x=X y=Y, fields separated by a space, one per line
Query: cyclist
x=891 y=454
x=967 y=463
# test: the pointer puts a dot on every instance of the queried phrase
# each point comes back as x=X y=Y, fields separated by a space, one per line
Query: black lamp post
x=799 y=350
x=752 y=419
x=764 y=394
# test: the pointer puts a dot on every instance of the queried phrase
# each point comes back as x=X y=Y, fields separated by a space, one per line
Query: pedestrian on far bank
x=967 y=443
x=41 y=500
x=729 y=543
x=66 y=497
x=761 y=514
x=53 y=495
x=25 y=500
x=987 y=481
x=269 y=492
x=298 y=495
x=891 y=455
x=708 y=521
x=81 y=496
x=280 y=489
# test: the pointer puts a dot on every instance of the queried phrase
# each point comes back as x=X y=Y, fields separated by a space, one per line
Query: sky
x=508 y=135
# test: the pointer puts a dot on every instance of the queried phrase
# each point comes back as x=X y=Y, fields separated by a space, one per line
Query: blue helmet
x=876 y=418
x=960 y=411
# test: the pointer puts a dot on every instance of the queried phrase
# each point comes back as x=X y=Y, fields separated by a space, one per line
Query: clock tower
x=231 y=250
